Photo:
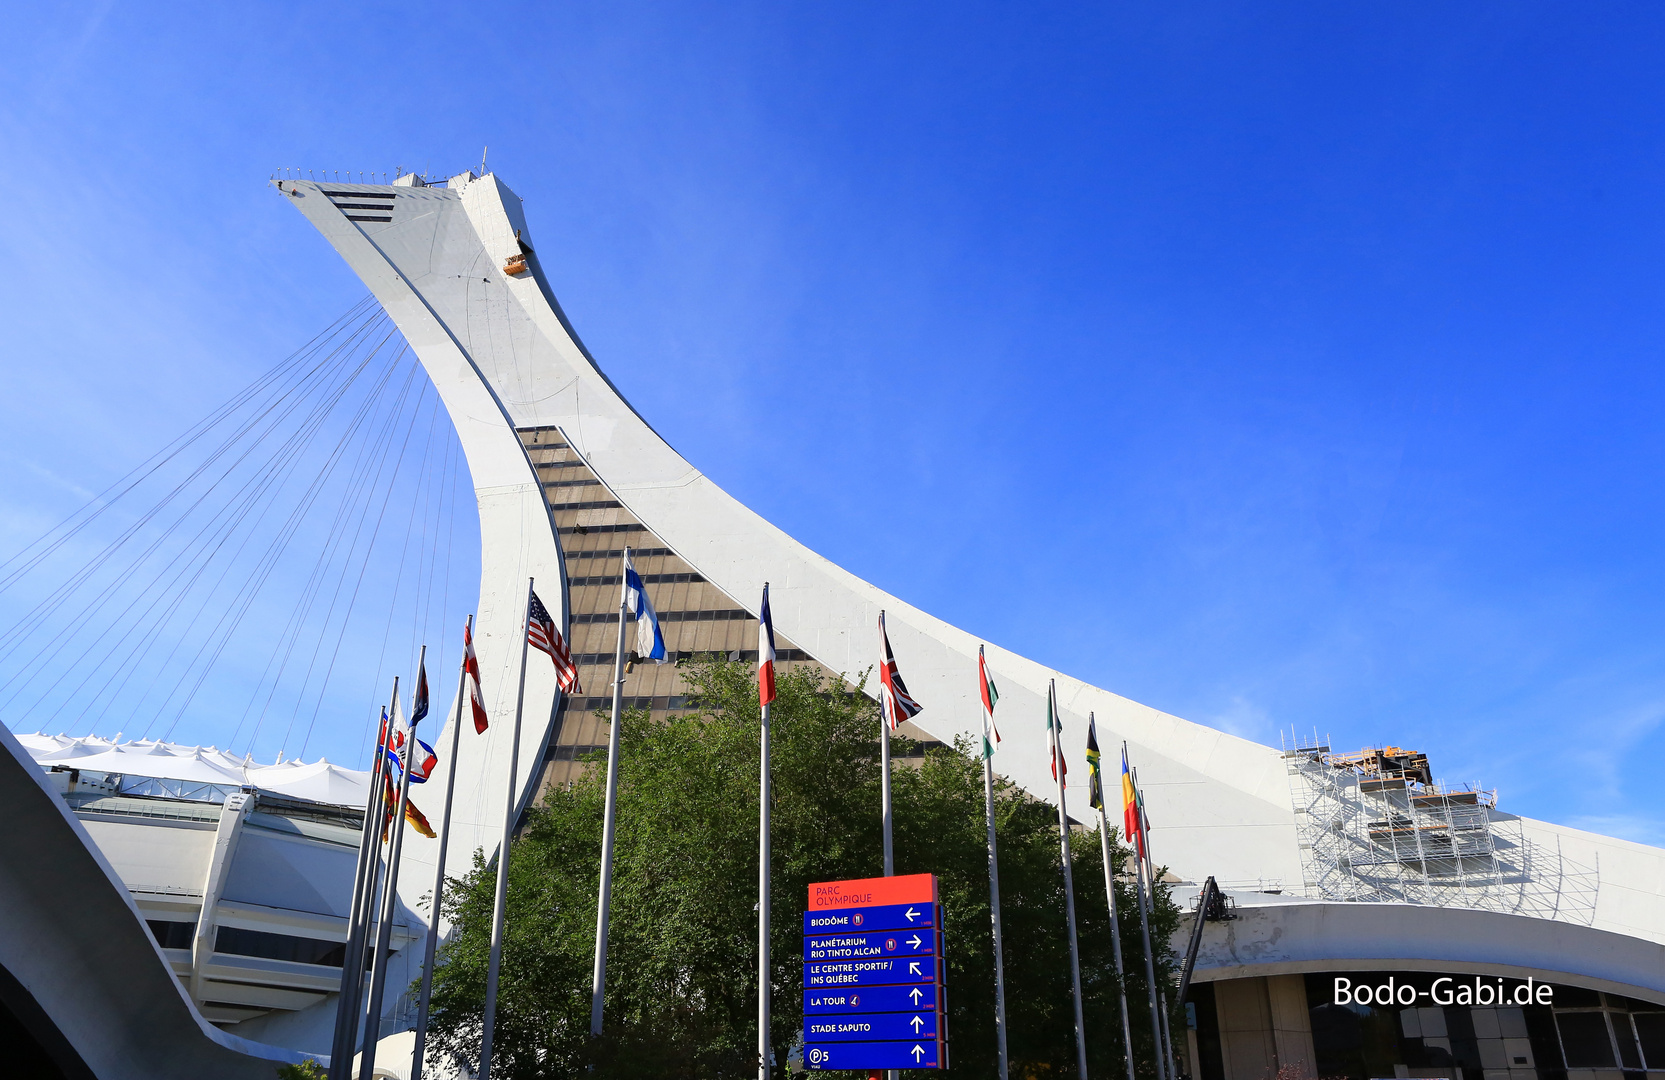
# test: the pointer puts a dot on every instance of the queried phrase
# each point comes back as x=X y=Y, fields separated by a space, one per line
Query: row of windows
x=557 y=464
x=600 y=504
x=726 y=615
x=580 y=530
x=175 y=934
x=618 y=553
x=571 y=484
x=647 y=579
x=748 y=656
x=537 y=429
x=298 y=950
x=591 y=704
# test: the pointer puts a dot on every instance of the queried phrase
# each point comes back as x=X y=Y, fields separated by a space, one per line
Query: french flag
x=765 y=652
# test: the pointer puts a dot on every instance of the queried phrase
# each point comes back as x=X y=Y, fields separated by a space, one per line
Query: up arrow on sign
x=918 y=1051
x=916 y=995
x=917 y=1024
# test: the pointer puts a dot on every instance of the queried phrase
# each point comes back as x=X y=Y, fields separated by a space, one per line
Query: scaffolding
x=1373 y=826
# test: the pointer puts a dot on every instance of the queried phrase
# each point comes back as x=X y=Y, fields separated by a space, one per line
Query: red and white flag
x=471 y=672
x=894 y=701
x=541 y=634
x=765 y=652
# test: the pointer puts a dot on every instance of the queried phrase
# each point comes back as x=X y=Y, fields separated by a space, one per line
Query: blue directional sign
x=870 y=972
x=873 y=975
x=870 y=999
x=858 y=920
x=870 y=1027
x=920 y=1054
x=862 y=946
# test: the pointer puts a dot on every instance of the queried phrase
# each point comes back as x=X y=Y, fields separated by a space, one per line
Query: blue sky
x=1279 y=366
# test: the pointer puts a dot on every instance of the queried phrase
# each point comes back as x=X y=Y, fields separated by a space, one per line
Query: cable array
x=239 y=585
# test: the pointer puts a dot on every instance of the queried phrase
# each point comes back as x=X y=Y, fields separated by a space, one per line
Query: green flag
x=1095 y=783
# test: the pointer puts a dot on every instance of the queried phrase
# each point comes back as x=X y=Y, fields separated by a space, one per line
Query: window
x=1585 y=1040
x=299 y=950
x=171 y=934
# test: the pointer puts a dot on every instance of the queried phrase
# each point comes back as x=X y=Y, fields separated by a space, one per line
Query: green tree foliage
x=306 y=1070
x=681 y=969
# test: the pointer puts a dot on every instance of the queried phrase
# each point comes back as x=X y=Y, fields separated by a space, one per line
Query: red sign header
x=873 y=892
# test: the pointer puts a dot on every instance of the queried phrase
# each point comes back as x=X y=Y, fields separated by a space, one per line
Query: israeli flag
x=650 y=642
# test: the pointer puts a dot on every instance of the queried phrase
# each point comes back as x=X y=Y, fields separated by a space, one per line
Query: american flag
x=541 y=634
x=893 y=692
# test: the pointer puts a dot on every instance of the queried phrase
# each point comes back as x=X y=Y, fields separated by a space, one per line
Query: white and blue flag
x=650 y=642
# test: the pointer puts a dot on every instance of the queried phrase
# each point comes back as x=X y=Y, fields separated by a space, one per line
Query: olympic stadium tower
x=1340 y=870
x=1351 y=864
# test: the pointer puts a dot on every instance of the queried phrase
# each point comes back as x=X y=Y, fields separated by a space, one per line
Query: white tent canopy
x=319 y=781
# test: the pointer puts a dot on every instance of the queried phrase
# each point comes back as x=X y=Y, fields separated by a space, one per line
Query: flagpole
x=510 y=803
x=884 y=763
x=1069 y=881
x=348 y=1000
x=375 y=882
x=390 y=898
x=1150 y=900
x=994 y=885
x=764 y=983
x=604 y=899
x=1115 y=938
x=1144 y=931
x=439 y=876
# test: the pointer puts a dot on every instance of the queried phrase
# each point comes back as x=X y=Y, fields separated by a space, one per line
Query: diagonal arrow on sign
x=913 y=968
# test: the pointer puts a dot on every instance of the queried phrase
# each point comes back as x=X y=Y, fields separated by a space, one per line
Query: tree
x=681 y=971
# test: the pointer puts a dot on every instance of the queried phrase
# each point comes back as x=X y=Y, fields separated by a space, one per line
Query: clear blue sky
x=1275 y=365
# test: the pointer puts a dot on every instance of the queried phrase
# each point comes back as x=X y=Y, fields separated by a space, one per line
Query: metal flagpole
x=510 y=803
x=352 y=974
x=439 y=877
x=1096 y=793
x=884 y=758
x=390 y=896
x=375 y=880
x=598 y=978
x=994 y=890
x=1150 y=901
x=1144 y=930
x=764 y=983
x=1115 y=937
x=1069 y=882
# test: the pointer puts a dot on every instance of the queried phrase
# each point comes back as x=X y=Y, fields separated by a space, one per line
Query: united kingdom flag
x=893 y=692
